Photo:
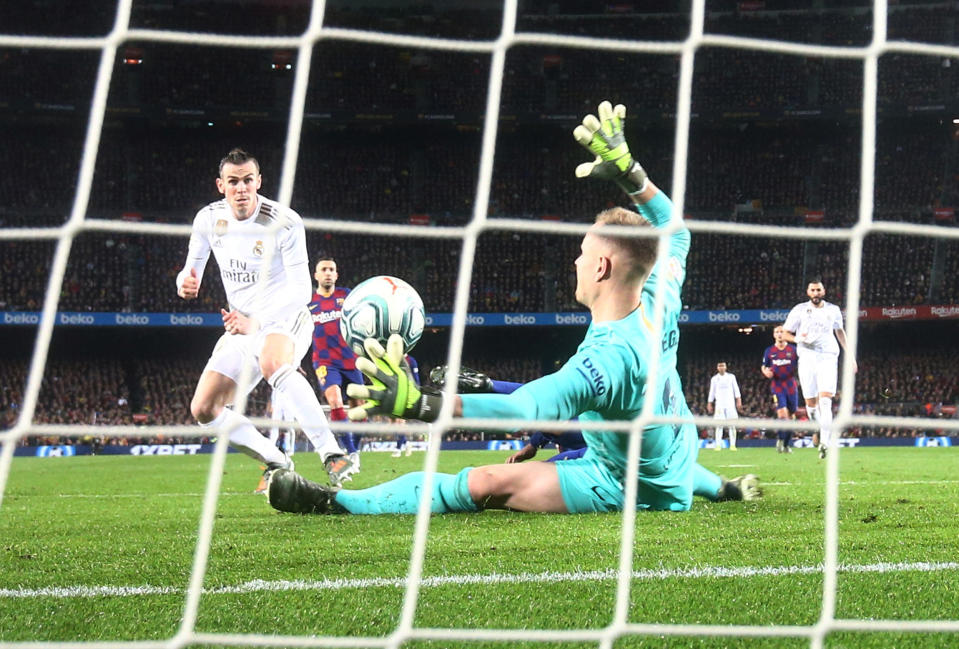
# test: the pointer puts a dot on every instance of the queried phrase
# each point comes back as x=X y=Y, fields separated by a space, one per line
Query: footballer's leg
x=527 y=487
x=213 y=392
x=827 y=378
x=825 y=423
x=337 y=380
x=290 y=492
x=276 y=360
x=810 y=388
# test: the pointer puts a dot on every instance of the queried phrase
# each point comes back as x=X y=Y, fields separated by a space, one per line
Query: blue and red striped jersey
x=783 y=363
x=328 y=346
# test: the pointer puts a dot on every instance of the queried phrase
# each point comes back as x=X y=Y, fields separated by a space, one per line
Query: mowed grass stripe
x=259 y=585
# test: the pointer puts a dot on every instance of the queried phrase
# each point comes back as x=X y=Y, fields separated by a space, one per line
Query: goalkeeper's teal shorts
x=588 y=485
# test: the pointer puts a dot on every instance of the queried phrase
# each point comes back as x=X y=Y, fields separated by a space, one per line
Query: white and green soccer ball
x=380 y=307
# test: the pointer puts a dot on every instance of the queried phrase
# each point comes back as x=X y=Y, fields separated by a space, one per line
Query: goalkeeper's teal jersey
x=606 y=380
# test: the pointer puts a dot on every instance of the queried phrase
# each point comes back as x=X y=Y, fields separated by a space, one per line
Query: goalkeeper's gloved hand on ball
x=393 y=392
x=603 y=136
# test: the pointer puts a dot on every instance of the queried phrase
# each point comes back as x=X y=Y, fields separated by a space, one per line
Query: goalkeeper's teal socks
x=402 y=495
x=706 y=483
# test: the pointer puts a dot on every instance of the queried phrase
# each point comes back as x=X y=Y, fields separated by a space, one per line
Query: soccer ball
x=379 y=307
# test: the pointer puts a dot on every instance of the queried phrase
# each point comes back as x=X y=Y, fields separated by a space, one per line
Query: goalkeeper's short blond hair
x=641 y=250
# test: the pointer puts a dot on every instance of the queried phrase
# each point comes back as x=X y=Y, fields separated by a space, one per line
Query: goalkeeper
x=617 y=278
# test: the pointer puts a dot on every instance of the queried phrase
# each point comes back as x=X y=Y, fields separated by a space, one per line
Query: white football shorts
x=725 y=412
x=232 y=352
x=818 y=373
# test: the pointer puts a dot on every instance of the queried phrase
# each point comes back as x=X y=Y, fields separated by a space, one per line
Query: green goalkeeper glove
x=393 y=391
x=604 y=137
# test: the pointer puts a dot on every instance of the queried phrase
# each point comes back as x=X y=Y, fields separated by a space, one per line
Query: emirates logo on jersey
x=258 y=249
x=219 y=229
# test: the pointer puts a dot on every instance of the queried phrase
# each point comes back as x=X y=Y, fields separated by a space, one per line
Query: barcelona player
x=779 y=366
x=333 y=361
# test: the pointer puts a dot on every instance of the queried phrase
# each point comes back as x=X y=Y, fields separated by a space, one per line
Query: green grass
x=131 y=522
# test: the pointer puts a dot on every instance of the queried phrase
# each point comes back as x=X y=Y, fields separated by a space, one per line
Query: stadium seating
x=774 y=138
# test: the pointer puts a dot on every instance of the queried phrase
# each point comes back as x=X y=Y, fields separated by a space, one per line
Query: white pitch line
x=850 y=483
x=152 y=495
x=259 y=585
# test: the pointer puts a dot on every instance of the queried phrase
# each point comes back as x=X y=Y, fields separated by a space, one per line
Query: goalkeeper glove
x=604 y=137
x=392 y=392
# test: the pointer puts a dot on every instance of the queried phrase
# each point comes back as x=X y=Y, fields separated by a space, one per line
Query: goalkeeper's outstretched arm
x=602 y=134
x=391 y=392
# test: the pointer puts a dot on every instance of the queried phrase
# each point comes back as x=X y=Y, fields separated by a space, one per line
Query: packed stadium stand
x=393 y=135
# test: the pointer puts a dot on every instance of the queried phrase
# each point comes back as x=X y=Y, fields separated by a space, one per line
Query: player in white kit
x=816 y=326
x=724 y=402
x=268 y=327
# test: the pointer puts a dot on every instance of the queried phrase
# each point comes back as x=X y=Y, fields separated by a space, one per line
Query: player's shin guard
x=246 y=438
x=825 y=421
x=402 y=495
x=302 y=401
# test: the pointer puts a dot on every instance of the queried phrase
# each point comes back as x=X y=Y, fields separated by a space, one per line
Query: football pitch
x=102 y=548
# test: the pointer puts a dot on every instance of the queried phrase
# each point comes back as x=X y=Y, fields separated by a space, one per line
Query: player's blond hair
x=640 y=250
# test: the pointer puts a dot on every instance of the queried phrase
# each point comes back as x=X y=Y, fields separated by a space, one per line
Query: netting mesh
x=682 y=45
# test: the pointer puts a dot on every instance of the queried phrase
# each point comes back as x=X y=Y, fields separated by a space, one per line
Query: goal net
x=481 y=68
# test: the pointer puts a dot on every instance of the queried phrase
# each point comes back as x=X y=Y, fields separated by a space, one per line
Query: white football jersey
x=818 y=324
x=240 y=249
x=724 y=390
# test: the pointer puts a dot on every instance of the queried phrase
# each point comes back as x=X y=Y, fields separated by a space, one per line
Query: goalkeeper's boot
x=340 y=469
x=744 y=487
x=468 y=381
x=290 y=492
x=262 y=486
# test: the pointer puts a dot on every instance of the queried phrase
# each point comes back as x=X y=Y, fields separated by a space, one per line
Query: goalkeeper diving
x=617 y=278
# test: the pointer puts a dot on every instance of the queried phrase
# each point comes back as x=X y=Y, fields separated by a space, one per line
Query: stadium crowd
x=393 y=134
x=512 y=272
x=154 y=389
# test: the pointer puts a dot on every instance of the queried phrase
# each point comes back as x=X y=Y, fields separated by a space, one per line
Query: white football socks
x=246 y=438
x=302 y=402
x=825 y=420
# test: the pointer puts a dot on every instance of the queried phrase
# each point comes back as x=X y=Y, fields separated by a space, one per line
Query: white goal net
x=464 y=238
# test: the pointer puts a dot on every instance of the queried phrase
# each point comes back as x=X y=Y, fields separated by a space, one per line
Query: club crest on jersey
x=258 y=249
x=339 y=302
x=219 y=229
